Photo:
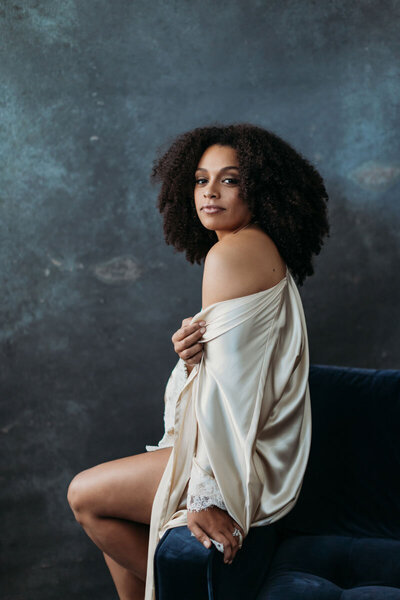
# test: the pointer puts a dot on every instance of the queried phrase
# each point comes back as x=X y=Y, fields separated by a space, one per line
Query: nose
x=209 y=193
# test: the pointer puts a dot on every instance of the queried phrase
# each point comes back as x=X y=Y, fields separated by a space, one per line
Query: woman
x=267 y=213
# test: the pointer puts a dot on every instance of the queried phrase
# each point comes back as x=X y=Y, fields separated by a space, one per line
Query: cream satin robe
x=249 y=397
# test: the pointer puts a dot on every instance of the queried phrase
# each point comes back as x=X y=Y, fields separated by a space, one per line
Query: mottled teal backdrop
x=90 y=292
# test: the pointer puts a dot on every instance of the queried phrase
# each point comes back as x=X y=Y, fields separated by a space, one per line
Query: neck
x=234 y=232
x=240 y=228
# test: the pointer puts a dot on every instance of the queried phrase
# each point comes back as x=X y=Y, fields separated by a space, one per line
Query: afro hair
x=285 y=193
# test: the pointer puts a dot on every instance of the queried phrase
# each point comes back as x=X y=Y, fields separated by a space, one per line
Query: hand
x=213 y=522
x=185 y=341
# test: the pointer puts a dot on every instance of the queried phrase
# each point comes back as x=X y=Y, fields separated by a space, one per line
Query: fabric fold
x=249 y=397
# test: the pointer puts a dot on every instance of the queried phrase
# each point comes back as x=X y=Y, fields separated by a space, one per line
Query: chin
x=209 y=226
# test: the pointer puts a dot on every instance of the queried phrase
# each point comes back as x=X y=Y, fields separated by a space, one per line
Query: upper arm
x=231 y=271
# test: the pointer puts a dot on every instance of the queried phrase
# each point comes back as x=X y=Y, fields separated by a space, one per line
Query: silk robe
x=249 y=397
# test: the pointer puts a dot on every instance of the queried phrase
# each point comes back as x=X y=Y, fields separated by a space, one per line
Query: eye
x=231 y=179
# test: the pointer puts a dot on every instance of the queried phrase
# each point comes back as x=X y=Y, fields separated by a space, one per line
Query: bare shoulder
x=239 y=265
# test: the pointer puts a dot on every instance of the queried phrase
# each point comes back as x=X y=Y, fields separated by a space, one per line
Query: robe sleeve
x=252 y=404
x=203 y=490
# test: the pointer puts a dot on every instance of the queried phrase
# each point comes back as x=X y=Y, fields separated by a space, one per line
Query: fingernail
x=202 y=322
x=206 y=544
x=202 y=329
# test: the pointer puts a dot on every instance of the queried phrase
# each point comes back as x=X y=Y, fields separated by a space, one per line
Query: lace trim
x=197 y=503
x=203 y=490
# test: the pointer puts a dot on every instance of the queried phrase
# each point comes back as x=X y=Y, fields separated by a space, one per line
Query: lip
x=211 y=208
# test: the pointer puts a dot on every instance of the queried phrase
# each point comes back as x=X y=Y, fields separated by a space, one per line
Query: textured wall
x=91 y=294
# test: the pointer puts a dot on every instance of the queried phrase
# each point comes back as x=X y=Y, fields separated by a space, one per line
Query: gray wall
x=91 y=294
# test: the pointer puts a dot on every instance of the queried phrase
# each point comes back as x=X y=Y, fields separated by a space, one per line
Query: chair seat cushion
x=329 y=567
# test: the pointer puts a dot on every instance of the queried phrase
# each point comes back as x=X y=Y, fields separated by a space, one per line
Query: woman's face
x=217 y=183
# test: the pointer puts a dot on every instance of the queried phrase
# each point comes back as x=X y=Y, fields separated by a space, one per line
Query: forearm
x=203 y=490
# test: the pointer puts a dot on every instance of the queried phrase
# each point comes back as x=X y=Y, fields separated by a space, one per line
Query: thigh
x=122 y=488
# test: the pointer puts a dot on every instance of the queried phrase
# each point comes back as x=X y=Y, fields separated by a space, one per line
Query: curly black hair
x=285 y=193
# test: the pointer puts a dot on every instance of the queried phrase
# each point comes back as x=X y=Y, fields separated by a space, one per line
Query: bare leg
x=124 y=541
x=113 y=501
x=127 y=584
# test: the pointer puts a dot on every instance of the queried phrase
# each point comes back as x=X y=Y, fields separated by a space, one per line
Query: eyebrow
x=223 y=168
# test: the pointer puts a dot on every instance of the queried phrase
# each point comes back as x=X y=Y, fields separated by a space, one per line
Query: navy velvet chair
x=342 y=538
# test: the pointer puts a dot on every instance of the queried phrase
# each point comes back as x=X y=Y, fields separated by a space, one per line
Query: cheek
x=239 y=206
x=234 y=198
x=197 y=201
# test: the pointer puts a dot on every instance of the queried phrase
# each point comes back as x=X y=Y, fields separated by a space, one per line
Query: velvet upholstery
x=184 y=569
x=342 y=538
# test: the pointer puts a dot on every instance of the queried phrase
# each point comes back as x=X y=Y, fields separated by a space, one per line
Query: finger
x=234 y=541
x=193 y=334
x=201 y=536
x=240 y=528
x=194 y=359
x=228 y=550
x=188 y=347
x=187 y=330
x=223 y=539
x=189 y=354
x=186 y=321
x=238 y=538
x=235 y=524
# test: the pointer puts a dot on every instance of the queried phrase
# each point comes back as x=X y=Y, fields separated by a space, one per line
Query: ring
x=220 y=546
x=236 y=532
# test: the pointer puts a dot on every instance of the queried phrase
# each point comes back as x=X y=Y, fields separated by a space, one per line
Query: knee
x=77 y=496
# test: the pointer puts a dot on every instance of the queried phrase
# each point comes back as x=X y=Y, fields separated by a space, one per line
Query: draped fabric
x=202 y=490
x=249 y=398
